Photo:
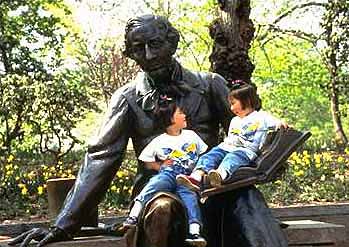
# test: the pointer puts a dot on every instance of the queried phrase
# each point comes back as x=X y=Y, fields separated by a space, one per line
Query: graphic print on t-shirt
x=184 y=157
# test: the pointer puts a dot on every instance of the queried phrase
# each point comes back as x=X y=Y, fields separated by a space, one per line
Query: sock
x=136 y=209
x=194 y=228
x=223 y=173
x=196 y=175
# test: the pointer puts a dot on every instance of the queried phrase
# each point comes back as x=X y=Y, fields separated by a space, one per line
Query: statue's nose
x=148 y=53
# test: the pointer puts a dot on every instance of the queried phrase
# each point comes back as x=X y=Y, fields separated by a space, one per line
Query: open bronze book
x=271 y=162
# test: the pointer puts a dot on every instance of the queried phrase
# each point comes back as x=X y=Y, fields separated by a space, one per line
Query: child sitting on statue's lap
x=247 y=132
x=171 y=153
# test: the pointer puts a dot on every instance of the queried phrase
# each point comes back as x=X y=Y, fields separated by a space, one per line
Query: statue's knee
x=159 y=210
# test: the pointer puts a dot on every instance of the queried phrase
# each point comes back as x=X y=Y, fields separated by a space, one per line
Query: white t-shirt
x=183 y=149
x=248 y=133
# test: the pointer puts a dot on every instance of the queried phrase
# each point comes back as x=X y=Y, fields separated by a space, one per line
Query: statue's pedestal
x=57 y=190
x=300 y=233
x=314 y=233
x=102 y=241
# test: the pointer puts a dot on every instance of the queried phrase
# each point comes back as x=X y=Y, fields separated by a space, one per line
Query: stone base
x=100 y=241
x=314 y=233
x=300 y=233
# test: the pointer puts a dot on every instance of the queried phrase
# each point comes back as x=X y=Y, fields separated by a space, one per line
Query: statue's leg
x=212 y=212
x=248 y=221
x=164 y=223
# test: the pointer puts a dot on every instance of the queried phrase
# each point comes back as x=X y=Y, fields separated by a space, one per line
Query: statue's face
x=150 y=48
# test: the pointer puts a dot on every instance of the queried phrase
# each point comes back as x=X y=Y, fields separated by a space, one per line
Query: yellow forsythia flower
x=278 y=182
x=120 y=174
x=31 y=175
x=21 y=185
x=327 y=156
x=340 y=159
x=317 y=158
x=9 y=173
x=24 y=191
x=8 y=167
x=299 y=173
x=40 y=190
x=10 y=158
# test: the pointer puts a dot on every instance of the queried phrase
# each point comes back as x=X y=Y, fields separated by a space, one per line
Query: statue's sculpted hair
x=161 y=22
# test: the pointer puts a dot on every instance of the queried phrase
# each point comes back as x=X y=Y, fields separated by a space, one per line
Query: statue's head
x=151 y=41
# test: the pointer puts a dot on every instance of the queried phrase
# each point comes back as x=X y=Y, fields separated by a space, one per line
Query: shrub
x=311 y=177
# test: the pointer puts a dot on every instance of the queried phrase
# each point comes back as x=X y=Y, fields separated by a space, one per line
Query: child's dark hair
x=164 y=113
x=245 y=93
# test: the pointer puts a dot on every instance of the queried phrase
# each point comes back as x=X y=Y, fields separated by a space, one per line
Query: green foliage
x=193 y=22
x=311 y=177
x=290 y=79
x=335 y=53
x=41 y=100
x=30 y=35
x=42 y=114
x=108 y=70
x=329 y=38
x=23 y=188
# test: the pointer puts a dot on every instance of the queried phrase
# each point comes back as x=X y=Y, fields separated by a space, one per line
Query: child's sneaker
x=188 y=181
x=196 y=240
x=215 y=178
x=130 y=222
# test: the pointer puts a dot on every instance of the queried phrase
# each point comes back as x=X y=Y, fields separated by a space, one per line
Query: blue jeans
x=228 y=161
x=165 y=181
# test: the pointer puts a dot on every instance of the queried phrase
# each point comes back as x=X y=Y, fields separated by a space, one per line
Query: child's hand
x=283 y=124
x=167 y=162
x=153 y=165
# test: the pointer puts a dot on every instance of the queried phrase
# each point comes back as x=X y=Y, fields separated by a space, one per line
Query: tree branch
x=191 y=51
x=297 y=33
x=294 y=8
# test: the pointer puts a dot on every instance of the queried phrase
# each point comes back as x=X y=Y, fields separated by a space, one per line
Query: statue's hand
x=41 y=235
x=118 y=229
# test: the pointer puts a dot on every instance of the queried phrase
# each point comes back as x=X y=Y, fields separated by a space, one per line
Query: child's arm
x=274 y=121
x=155 y=165
x=269 y=121
x=152 y=165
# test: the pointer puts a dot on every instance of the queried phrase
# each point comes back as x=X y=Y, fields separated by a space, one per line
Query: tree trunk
x=232 y=33
x=341 y=138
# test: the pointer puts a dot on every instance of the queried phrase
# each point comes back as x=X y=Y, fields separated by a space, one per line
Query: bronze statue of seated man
x=240 y=217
